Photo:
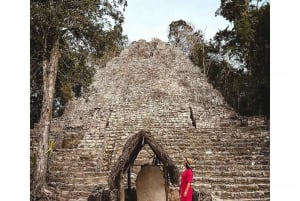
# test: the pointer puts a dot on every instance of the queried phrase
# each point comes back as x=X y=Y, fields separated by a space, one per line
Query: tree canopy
x=182 y=35
x=84 y=28
x=248 y=43
x=236 y=60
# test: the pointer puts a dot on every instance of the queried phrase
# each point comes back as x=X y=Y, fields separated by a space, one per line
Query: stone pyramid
x=153 y=86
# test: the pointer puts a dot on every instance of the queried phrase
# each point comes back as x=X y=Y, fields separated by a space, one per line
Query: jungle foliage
x=64 y=36
x=86 y=30
x=237 y=60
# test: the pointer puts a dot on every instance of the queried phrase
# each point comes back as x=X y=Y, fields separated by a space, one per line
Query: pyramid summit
x=155 y=76
x=153 y=86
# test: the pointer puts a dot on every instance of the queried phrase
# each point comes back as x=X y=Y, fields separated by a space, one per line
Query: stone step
x=76 y=151
x=241 y=195
x=66 y=195
x=74 y=164
x=252 y=173
x=233 y=180
x=250 y=199
x=83 y=181
x=55 y=169
x=69 y=186
x=74 y=157
x=78 y=174
x=242 y=187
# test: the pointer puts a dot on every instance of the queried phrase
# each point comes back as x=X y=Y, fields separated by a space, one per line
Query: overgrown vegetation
x=237 y=60
x=64 y=35
x=86 y=30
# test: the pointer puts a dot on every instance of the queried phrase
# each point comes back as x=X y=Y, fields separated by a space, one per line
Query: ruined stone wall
x=153 y=86
x=155 y=78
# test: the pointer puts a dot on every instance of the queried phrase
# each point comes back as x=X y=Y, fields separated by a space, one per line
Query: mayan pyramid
x=153 y=86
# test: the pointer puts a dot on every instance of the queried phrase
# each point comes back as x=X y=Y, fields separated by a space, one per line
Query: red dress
x=186 y=177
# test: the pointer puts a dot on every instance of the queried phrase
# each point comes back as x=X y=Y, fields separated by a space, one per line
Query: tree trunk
x=203 y=64
x=50 y=67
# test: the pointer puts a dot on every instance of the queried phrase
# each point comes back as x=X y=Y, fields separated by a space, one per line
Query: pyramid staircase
x=231 y=161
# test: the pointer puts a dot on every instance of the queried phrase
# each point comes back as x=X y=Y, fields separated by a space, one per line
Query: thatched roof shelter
x=131 y=150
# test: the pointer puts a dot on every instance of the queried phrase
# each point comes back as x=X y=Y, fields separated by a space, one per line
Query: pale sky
x=150 y=19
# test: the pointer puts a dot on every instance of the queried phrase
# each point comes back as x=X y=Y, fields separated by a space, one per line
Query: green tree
x=232 y=10
x=63 y=35
x=190 y=41
x=248 y=44
x=197 y=53
x=181 y=34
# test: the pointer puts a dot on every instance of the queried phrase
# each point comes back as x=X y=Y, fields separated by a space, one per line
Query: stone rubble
x=152 y=86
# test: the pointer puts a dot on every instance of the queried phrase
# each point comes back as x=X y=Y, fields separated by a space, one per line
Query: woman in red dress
x=186 y=189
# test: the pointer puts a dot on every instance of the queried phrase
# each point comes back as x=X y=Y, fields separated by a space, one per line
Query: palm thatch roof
x=131 y=150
